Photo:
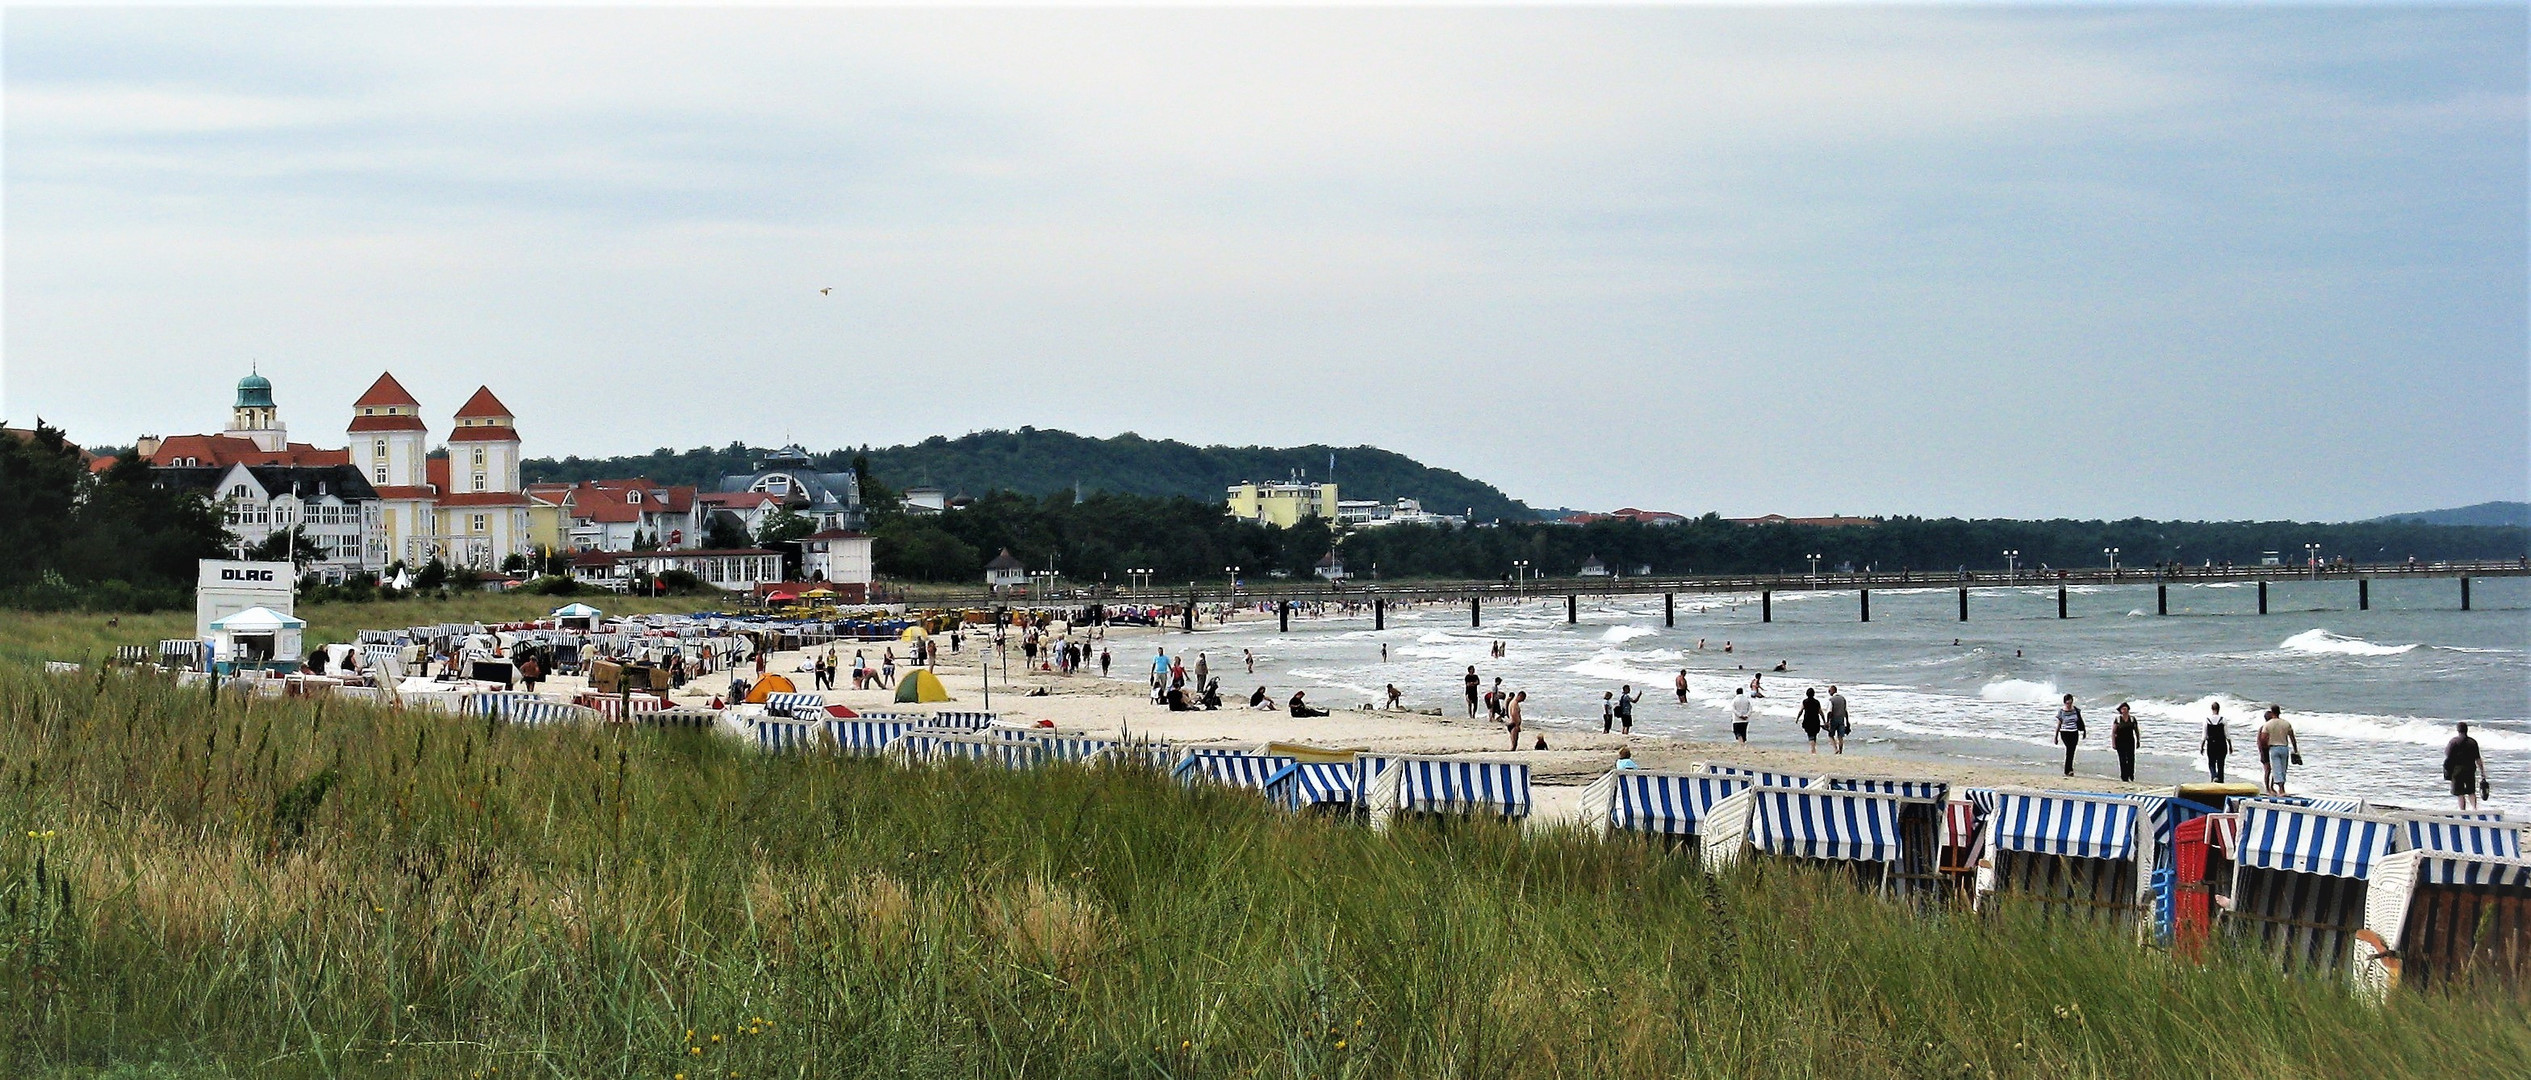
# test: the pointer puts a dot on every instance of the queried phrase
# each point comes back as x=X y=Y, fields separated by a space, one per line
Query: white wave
x=1626 y=633
x=2322 y=641
x=2021 y=691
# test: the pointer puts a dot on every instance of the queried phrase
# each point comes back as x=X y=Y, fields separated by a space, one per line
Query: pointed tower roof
x=386 y=392
x=483 y=405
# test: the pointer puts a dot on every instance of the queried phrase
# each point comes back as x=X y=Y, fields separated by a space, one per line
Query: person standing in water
x=1680 y=684
x=2282 y=747
x=1811 y=718
x=1607 y=711
x=1839 y=723
x=1251 y=655
x=1740 y=716
x=1473 y=682
x=2218 y=744
x=2069 y=730
x=1627 y=696
x=2123 y=737
x=2463 y=766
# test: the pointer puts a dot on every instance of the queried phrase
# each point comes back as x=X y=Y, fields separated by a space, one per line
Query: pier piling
x=2262 y=598
x=2363 y=594
x=1186 y=618
x=1867 y=605
x=2161 y=599
x=2465 y=594
x=1283 y=612
x=1380 y=613
x=1766 y=604
x=1474 y=620
x=1669 y=609
x=1572 y=609
x=2060 y=601
x=1964 y=603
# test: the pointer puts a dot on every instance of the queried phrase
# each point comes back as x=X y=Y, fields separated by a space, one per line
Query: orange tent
x=770 y=684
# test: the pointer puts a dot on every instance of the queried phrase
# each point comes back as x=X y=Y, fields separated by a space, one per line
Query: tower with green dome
x=255 y=417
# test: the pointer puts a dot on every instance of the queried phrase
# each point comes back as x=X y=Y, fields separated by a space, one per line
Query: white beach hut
x=257 y=637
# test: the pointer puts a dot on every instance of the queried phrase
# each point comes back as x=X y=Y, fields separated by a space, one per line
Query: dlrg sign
x=224 y=587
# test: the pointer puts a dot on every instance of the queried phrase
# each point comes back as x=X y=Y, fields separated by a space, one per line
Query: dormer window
x=634 y=496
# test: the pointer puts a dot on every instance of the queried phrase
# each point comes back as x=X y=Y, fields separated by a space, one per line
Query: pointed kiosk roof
x=483 y=405
x=386 y=392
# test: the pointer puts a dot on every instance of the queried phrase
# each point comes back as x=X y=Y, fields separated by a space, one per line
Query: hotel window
x=378 y=449
x=478 y=457
x=379 y=475
x=478 y=523
x=478 y=481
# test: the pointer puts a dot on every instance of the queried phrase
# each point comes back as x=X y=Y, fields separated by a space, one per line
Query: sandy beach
x=1088 y=704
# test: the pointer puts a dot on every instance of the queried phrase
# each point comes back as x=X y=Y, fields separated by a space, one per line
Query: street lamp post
x=1232 y=572
x=2313 y=558
x=1814 y=568
x=2113 y=561
x=2012 y=563
x=1142 y=578
x=1520 y=571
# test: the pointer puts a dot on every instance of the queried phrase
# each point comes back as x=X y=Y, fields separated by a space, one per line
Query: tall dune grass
x=306 y=889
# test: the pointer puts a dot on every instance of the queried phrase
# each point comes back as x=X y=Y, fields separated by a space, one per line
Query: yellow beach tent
x=920 y=685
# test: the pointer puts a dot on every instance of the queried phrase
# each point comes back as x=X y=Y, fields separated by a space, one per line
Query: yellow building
x=1282 y=504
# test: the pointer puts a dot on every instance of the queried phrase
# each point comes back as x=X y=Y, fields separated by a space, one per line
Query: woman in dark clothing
x=2124 y=735
x=1812 y=717
x=2218 y=744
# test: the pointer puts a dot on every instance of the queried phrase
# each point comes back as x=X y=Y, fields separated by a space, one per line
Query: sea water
x=2372 y=694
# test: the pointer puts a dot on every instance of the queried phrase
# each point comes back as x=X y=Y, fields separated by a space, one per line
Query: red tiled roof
x=500 y=433
x=386 y=491
x=387 y=423
x=222 y=451
x=385 y=392
x=483 y=404
x=435 y=472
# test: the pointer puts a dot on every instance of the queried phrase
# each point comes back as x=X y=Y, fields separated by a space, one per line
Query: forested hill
x=1035 y=462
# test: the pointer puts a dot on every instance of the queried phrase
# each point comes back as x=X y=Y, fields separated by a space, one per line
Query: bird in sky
x=827 y=291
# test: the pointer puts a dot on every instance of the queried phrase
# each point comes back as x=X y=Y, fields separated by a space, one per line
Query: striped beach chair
x=2434 y=918
x=1234 y=769
x=1931 y=790
x=972 y=721
x=1451 y=787
x=783 y=735
x=1307 y=785
x=1074 y=748
x=1665 y=804
x=2458 y=835
x=864 y=737
x=1759 y=777
x=1814 y=824
x=985 y=749
x=2299 y=877
x=796 y=706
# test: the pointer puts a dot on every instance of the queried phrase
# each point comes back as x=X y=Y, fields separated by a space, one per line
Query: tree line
x=109 y=540
x=1106 y=536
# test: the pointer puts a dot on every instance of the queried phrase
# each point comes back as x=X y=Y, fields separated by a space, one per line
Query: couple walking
x=1833 y=718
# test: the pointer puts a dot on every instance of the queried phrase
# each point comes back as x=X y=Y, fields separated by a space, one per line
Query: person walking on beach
x=1105 y=658
x=2069 y=730
x=2123 y=737
x=1607 y=711
x=2463 y=766
x=1812 y=719
x=1473 y=682
x=1627 y=696
x=1839 y=723
x=2282 y=748
x=1159 y=667
x=1203 y=667
x=1680 y=685
x=2218 y=744
x=1512 y=711
x=1740 y=716
x=1251 y=655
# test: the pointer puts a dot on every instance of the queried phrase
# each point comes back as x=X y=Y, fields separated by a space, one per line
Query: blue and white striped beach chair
x=972 y=721
x=796 y=706
x=783 y=735
x=1485 y=788
x=1666 y=804
x=2453 y=834
x=865 y=737
x=1818 y=824
x=1239 y=770
x=1305 y=785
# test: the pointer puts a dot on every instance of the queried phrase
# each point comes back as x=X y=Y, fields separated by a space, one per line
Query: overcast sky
x=2191 y=262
